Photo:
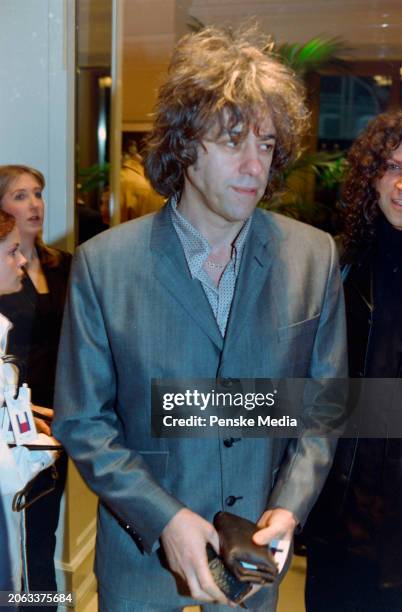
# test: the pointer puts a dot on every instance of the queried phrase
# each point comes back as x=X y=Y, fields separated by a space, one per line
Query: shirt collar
x=196 y=247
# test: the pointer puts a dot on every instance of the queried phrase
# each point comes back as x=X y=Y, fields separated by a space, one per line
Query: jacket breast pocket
x=295 y=346
x=301 y=328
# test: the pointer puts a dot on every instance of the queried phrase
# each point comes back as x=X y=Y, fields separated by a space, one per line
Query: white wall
x=37 y=101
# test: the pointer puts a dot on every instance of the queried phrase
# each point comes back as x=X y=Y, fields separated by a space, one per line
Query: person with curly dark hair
x=370 y=159
x=218 y=85
x=354 y=533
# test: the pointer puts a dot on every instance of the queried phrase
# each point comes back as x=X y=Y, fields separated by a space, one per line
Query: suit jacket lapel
x=170 y=268
x=255 y=265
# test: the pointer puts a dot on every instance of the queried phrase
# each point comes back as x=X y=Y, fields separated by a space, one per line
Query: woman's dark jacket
x=360 y=507
x=36 y=320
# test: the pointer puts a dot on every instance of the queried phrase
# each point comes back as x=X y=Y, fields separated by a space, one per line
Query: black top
x=36 y=320
x=385 y=348
x=366 y=505
x=360 y=506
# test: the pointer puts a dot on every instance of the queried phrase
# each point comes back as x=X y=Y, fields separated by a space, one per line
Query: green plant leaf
x=315 y=54
x=93 y=177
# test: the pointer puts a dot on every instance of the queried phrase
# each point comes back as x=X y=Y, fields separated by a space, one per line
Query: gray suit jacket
x=134 y=313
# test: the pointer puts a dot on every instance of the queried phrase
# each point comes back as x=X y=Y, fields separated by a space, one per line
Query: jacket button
x=227 y=383
x=231 y=500
x=228 y=442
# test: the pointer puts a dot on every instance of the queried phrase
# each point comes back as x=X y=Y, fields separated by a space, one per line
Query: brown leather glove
x=249 y=562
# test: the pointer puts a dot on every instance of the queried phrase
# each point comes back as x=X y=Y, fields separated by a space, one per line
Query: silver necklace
x=215 y=266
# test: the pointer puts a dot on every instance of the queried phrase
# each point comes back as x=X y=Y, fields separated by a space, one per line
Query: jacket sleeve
x=87 y=424
x=308 y=458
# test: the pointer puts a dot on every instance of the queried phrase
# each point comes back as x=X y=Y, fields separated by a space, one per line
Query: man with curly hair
x=211 y=287
x=354 y=531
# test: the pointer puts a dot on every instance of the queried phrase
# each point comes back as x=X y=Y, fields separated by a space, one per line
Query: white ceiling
x=371 y=28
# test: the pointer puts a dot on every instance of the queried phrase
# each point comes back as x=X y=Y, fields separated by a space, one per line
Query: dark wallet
x=240 y=563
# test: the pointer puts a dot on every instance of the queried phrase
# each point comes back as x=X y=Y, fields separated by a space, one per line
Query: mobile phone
x=225 y=579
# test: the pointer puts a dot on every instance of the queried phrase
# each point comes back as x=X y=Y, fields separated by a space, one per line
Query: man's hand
x=184 y=540
x=42 y=425
x=275 y=524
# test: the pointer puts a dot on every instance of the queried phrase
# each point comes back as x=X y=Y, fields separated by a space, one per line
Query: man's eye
x=19 y=196
x=267 y=146
x=38 y=195
x=233 y=143
x=393 y=168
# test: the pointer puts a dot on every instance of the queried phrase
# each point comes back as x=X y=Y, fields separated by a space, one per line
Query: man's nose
x=398 y=183
x=251 y=163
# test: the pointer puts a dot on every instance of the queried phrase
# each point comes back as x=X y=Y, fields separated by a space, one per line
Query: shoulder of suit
x=133 y=234
x=297 y=232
